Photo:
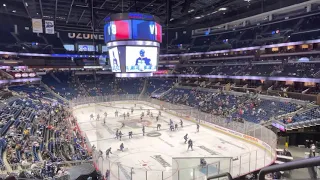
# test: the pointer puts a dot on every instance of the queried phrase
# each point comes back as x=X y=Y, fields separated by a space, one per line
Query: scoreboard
x=132 y=29
x=133 y=40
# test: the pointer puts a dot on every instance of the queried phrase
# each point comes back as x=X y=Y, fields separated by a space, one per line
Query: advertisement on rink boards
x=141 y=59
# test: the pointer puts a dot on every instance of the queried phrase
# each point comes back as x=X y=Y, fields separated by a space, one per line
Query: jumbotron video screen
x=141 y=59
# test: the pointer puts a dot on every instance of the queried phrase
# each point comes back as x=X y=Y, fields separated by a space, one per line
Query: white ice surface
x=140 y=151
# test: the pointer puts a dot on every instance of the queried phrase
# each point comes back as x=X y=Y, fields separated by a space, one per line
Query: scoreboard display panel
x=132 y=29
x=133 y=40
x=114 y=59
x=141 y=59
x=117 y=30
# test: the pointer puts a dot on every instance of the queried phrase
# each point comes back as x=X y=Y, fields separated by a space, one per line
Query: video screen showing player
x=141 y=59
x=114 y=59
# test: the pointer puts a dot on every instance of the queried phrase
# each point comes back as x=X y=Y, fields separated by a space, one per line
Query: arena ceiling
x=183 y=12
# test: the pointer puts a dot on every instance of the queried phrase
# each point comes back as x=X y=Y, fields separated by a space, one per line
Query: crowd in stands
x=247 y=107
x=159 y=85
x=37 y=134
x=36 y=127
x=300 y=70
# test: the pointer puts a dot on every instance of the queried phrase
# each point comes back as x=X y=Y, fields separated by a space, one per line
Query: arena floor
x=162 y=152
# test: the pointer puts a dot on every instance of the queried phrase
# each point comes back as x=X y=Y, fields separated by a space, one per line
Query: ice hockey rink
x=162 y=154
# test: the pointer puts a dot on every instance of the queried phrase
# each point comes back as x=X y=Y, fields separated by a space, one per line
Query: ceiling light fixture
x=4 y=5
x=14 y=11
x=222 y=9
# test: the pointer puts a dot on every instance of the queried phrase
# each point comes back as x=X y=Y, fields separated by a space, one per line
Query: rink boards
x=236 y=166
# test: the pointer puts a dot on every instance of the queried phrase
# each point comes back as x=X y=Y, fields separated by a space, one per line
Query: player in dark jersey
x=142 y=61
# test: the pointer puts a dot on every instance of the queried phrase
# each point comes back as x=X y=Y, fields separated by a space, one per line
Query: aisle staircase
x=55 y=77
x=144 y=89
x=53 y=93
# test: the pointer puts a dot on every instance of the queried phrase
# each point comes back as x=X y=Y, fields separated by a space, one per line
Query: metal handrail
x=310 y=162
x=220 y=175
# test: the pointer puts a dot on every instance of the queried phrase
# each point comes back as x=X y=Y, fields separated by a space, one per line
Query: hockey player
x=116 y=113
x=185 y=137
x=117 y=133
x=159 y=113
x=181 y=123
x=128 y=114
x=151 y=115
x=171 y=122
x=121 y=147
x=100 y=154
x=141 y=118
x=190 y=144
x=108 y=151
x=198 y=126
x=171 y=127
x=105 y=114
x=91 y=117
x=176 y=127
x=122 y=125
x=124 y=115
x=157 y=118
x=158 y=127
x=148 y=111
x=203 y=162
x=130 y=134
x=104 y=121
x=142 y=114
x=135 y=105
x=107 y=174
x=120 y=135
x=131 y=110
x=143 y=130
x=98 y=117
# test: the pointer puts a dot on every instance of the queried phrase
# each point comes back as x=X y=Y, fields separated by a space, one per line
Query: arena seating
x=129 y=85
x=34 y=92
x=33 y=131
x=311 y=114
x=63 y=84
x=246 y=108
x=287 y=70
x=98 y=85
x=159 y=85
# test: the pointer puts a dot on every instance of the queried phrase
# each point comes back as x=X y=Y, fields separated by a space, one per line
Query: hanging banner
x=37 y=26
x=49 y=27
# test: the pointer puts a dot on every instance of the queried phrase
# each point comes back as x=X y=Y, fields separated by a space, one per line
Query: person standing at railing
x=107 y=174
x=311 y=170
x=313 y=150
